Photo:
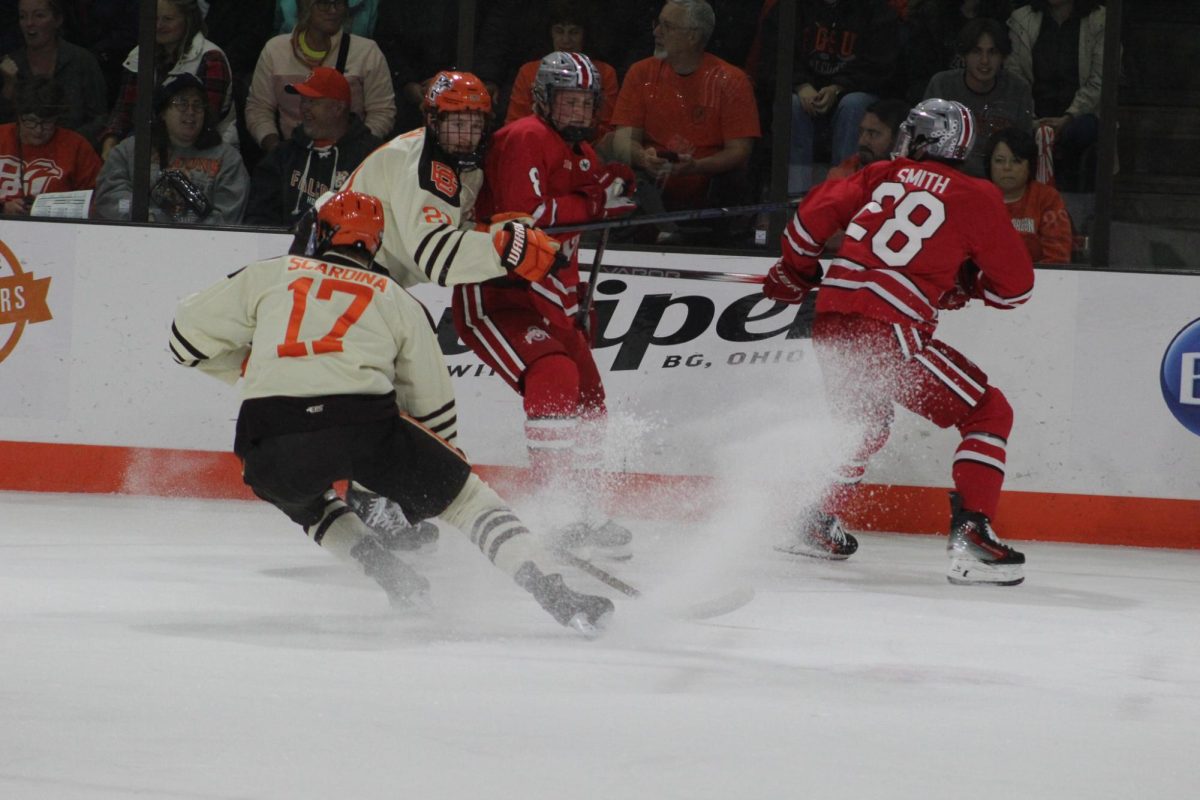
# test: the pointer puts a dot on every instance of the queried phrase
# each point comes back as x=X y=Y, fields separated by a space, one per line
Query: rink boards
x=698 y=373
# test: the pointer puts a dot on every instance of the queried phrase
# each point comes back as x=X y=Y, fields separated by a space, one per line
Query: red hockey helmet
x=350 y=219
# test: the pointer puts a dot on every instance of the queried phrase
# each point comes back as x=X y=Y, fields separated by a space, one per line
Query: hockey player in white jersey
x=330 y=351
x=428 y=181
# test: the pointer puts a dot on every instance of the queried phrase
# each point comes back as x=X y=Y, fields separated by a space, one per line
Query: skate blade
x=588 y=629
x=801 y=550
x=969 y=572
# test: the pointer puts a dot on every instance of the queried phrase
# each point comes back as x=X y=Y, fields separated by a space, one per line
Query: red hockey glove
x=612 y=193
x=526 y=252
x=966 y=288
x=786 y=284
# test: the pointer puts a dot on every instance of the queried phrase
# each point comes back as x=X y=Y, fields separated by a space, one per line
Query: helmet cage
x=936 y=128
x=563 y=70
x=449 y=92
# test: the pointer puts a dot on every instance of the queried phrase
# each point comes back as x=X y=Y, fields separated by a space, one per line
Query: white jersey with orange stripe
x=298 y=326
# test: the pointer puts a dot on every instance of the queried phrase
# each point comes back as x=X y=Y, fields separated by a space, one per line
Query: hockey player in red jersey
x=338 y=363
x=921 y=237
x=541 y=168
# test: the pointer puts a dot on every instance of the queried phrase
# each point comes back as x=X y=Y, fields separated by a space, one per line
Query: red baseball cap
x=323 y=82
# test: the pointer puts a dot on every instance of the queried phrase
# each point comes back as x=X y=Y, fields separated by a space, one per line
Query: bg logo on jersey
x=1180 y=377
x=22 y=300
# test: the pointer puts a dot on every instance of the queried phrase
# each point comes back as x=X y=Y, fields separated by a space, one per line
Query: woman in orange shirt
x=1036 y=209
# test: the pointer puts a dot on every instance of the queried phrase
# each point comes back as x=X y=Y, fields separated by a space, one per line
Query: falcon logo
x=22 y=300
x=535 y=334
x=37 y=176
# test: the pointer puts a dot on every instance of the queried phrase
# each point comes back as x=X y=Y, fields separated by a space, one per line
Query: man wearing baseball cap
x=322 y=151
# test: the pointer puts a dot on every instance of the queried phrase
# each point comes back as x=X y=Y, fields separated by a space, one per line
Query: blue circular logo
x=1180 y=377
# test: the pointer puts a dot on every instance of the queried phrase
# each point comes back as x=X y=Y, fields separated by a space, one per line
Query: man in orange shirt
x=685 y=119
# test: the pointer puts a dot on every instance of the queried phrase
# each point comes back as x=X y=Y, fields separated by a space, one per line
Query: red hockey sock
x=551 y=415
x=980 y=459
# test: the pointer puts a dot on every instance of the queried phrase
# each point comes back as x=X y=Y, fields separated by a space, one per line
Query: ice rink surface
x=154 y=648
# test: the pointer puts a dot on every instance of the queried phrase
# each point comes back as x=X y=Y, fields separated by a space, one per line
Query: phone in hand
x=669 y=155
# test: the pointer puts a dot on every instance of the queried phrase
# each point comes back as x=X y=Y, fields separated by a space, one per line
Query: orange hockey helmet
x=451 y=90
x=350 y=219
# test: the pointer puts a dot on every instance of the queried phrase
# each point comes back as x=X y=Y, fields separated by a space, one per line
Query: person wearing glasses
x=195 y=178
x=36 y=155
x=319 y=40
x=686 y=120
x=180 y=47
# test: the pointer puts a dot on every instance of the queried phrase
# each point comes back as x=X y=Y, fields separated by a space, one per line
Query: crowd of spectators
x=297 y=92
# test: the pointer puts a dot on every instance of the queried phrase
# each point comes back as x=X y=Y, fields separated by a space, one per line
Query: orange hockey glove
x=786 y=284
x=526 y=252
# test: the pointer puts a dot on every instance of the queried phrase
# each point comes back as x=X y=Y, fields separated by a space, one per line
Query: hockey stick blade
x=704 y=609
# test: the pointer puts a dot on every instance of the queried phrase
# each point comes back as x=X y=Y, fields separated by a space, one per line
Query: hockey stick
x=675 y=216
x=585 y=305
x=685 y=274
x=705 y=609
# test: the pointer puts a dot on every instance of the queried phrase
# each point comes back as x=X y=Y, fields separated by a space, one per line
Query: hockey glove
x=966 y=288
x=786 y=284
x=612 y=193
x=526 y=252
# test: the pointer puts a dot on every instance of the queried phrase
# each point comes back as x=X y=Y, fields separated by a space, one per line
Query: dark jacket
x=293 y=175
x=853 y=43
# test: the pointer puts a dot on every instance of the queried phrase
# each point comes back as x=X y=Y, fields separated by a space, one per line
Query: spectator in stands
x=241 y=28
x=1058 y=47
x=321 y=153
x=686 y=120
x=568 y=22
x=195 y=177
x=846 y=57
x=361 y=16
x=180 y=47
x=109 y=30
x=318 y=41
x=1037 y=210
x=932 y=42
x=48 y=55
x=36 y=155
x=876 y=136
x=418 y=39
x=998 y=98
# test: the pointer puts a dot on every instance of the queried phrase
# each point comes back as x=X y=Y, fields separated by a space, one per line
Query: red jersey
x=66 y=163
x=530 y=169
x=910 y=225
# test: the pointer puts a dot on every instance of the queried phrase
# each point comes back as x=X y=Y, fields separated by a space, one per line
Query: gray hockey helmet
x=937 y=128
x=563 y=70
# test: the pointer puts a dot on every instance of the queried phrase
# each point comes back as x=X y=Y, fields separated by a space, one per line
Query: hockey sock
x=980 y=458
x=494 y=528
x=339 y=529
x=551 y=394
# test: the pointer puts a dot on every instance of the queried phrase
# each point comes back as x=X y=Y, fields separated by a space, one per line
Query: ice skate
x=586 y=613
x=820 y=535
x=589 y=541
x=404 y=586
x=977 y=556
x=387 y=522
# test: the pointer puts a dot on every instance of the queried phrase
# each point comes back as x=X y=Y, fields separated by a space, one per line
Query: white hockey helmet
x=563 y=70
x=936 y=128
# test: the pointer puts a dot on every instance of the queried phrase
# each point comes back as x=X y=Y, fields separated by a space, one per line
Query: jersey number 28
x=900 y=222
